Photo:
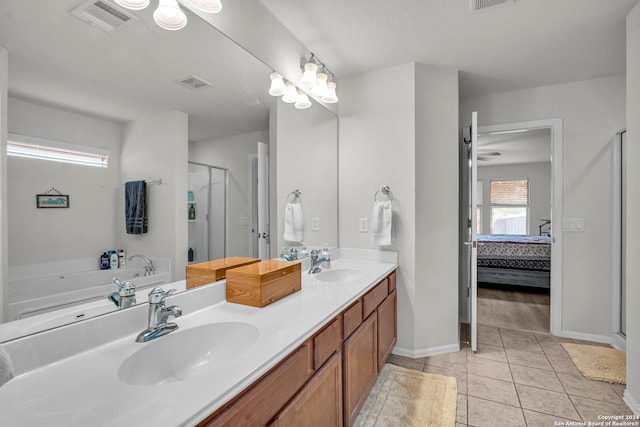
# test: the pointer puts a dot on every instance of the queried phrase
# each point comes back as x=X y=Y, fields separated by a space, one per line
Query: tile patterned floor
x=520 y=378
x=520 y=375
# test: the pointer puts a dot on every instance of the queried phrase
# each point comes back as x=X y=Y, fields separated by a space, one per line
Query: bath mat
x=599 y=363
x=404 y=397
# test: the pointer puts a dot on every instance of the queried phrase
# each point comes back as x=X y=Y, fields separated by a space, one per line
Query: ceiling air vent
x=103 y=15
x=478 y=5
x=193 y=82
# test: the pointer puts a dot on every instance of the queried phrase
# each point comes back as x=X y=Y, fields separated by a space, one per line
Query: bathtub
x=36 y=290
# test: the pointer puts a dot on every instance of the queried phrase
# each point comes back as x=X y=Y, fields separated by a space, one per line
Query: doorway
x=554 y=127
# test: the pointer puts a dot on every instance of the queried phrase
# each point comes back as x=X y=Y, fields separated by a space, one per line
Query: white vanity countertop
x=84 y=389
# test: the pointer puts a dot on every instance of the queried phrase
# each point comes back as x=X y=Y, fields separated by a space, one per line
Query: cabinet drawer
x=263 y=401
x=352 y=318
x=392 y=282
x=374 y=297
x=327 y=342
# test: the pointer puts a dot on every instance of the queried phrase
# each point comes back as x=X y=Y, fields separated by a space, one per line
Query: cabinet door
x=387 y=327
x=360 y=367
x=319 y=403
x=263 y=401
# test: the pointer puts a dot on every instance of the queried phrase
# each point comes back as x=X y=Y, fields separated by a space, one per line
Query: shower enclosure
x=206 y=212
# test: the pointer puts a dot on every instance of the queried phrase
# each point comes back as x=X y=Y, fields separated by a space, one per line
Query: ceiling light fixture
x=133 y=4
x=207 y=6
x=168 y=14
x=278 y=88
x=303 y=102
x=316 y=80
x=330 y=97
x=291 y=95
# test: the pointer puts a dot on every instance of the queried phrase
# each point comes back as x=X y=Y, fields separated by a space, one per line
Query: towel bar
x=297 y=194
x=386 y=190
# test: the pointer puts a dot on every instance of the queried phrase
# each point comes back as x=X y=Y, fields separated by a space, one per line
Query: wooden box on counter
x=212 y=271
x=262 y=283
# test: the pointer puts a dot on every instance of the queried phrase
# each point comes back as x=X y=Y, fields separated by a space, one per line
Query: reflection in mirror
x=71 y=82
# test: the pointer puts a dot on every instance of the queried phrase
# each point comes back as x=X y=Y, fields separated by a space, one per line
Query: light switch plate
x=573 y=224
x=364 y=225
x=315 y=224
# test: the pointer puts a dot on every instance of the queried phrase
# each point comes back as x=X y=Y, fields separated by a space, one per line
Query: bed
x=514 y=260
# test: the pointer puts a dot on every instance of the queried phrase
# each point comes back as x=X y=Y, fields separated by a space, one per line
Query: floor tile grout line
x=514 y=381
x=546 y=356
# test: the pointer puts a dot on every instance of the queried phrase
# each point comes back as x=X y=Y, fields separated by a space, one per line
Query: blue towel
x=135 y=207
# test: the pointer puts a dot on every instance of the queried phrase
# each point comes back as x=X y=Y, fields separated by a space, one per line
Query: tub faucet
x=126 y=295
x=148 y=268
x=157 y=325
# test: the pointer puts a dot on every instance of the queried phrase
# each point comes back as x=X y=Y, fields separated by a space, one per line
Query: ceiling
x=527 y=146
x=58 y=60
x=517 y=45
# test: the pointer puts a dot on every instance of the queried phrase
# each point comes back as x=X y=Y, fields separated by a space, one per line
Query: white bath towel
x=381 y=223
x=293 y=223
x=6 y=368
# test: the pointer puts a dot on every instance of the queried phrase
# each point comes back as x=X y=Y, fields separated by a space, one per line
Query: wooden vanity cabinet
x=387 y=314
x=319 y=403
x=360 y=363
x=326 y=381
x=263 y=400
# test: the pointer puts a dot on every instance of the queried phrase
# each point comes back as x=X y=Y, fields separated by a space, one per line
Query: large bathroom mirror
x=187 y=97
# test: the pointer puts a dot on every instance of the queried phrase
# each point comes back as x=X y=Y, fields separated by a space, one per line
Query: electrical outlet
x=364 y=225
x=315 y=224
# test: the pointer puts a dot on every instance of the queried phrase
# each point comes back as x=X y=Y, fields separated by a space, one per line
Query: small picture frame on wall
x=52 y=201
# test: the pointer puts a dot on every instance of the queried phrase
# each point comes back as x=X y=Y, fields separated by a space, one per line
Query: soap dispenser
x=326 y=257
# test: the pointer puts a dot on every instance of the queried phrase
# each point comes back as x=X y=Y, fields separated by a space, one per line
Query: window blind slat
x=511 y=192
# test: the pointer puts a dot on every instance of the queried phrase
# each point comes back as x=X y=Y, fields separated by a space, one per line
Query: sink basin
x=186 y=353
x=338 y=275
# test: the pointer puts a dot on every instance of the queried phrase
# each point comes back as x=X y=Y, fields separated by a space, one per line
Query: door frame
x=618 y=339
x=556 y=126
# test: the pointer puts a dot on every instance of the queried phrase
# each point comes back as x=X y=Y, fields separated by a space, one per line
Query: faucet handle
x=157 y=295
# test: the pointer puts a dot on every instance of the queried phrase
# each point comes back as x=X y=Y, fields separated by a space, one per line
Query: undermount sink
x=186 y=353
x=338 y=275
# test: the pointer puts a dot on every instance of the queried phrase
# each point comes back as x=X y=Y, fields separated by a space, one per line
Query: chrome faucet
x=316 y=261
x=126 y=295
x=158 y=314
x=148 y=268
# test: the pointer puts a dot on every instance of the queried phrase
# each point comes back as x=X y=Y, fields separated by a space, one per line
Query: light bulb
x=278 y=87
x=207 y=6
x=330 y=97
x=309 y=79
x=321 y=88
x=291 y=95
x=169 y=16
x=133 y=4
x=302 y=103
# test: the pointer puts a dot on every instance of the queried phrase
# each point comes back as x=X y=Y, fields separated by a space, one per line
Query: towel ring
x=386 y=190
x=297 y=194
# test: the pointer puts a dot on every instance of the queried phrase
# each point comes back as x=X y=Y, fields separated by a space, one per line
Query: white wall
x=592 y=111
x=233 y=153
x=152 y=148
x=539 y=176
x=398 y=127
x=632 y=394
x=88 y=227
x=4 y=75
x=307 y=161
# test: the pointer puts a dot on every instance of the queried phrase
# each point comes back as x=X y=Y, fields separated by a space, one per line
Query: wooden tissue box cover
x=211 y=271
x=261 y=284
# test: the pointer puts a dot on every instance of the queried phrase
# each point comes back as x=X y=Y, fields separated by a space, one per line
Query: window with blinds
x=510 y=206
x=57 y=151
x=512 y=192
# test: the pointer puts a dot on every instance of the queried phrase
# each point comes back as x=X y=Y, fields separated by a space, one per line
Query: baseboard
x=619 y=342
x=631 y=402
x=424 y=352
x=604 y=339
